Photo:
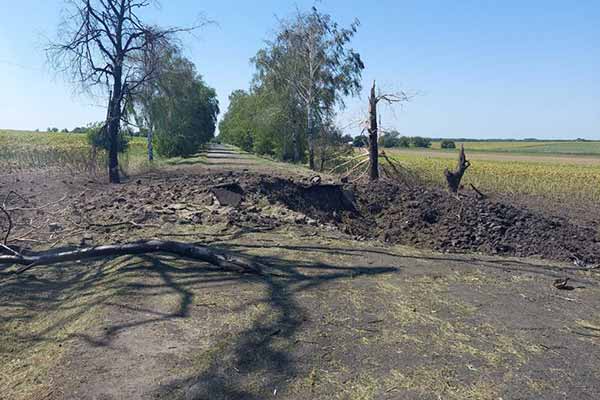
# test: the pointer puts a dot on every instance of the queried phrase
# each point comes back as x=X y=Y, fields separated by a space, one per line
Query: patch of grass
x=425 y=314
x=36 y=329
x=440 y=382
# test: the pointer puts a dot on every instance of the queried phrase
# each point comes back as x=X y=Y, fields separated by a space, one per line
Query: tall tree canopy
x=186 y=110
x=311 y=59
x=177 y=108
x=263 y=121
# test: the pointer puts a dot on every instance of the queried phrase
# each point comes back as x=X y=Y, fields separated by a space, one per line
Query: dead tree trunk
x=453 y=178
x=114 y=126
x=373 y=145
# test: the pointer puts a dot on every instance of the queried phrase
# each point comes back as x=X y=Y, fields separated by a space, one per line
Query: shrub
x=98 y=137
x=419 y=141
x=390 y=139
x=404 y=141
x=360 y=141
x=447 y=144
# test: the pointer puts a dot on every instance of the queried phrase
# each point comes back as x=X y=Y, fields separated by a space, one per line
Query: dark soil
x=418 y=216
x=338 y=317
x=433 y=218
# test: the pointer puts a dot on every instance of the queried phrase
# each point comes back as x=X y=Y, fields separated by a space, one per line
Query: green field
x=591 y=148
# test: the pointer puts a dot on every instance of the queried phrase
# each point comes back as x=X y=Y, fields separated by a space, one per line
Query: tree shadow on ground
x=539 y=267
x=68 y=292
x=264 y=350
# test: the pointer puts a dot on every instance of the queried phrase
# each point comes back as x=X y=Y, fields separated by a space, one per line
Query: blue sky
x=482 y=69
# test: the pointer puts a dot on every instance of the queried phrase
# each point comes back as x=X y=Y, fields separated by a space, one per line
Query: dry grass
x=558 y=178
x=22 y=151
x=37 y=328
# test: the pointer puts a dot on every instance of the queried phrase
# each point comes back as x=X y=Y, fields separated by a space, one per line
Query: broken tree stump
x=453 y=178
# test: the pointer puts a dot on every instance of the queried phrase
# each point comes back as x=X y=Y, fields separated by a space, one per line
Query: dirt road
x=333 y=319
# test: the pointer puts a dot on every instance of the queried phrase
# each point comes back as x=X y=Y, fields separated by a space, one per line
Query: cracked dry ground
x=336 y=318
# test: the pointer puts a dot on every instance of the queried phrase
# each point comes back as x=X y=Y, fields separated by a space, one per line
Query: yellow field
x=555 y=177
x=21 y=151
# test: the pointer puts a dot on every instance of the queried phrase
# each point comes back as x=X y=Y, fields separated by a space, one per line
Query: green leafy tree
x=447 y=144
x=311 y=59
x=360 y=141
x=404 y=141
x=185 y=111
x=331 y=144
x=419 y=141
x=97 y=136
x=390 y=139
x=264 y=121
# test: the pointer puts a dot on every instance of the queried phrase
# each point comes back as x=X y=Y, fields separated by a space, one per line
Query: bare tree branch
x=221 y=260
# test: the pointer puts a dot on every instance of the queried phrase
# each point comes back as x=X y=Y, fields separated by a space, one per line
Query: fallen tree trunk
x=223 y=261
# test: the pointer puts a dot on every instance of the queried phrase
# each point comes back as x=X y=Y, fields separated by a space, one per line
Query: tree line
x=302 y=77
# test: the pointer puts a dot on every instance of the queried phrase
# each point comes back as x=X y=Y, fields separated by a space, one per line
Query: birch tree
x=311 y=56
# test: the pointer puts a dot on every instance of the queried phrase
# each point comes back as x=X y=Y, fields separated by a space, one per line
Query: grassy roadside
x=42 y=315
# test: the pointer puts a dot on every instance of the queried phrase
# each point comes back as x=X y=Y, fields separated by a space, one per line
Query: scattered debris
x=315 y=180
x=397 y=213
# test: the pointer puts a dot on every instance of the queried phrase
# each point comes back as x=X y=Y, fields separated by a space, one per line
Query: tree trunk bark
x=296 y=144
x=223 y=261
x=114 y=125
x=150 y=148
x=373 y=133
x=311 y=139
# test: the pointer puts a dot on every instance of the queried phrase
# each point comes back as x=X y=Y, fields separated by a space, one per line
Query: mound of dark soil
x=418 y=216
x=322 y=201
x=433 y=218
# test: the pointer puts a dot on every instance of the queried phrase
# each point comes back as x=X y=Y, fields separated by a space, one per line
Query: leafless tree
x=105 y=44
x=373 y=127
